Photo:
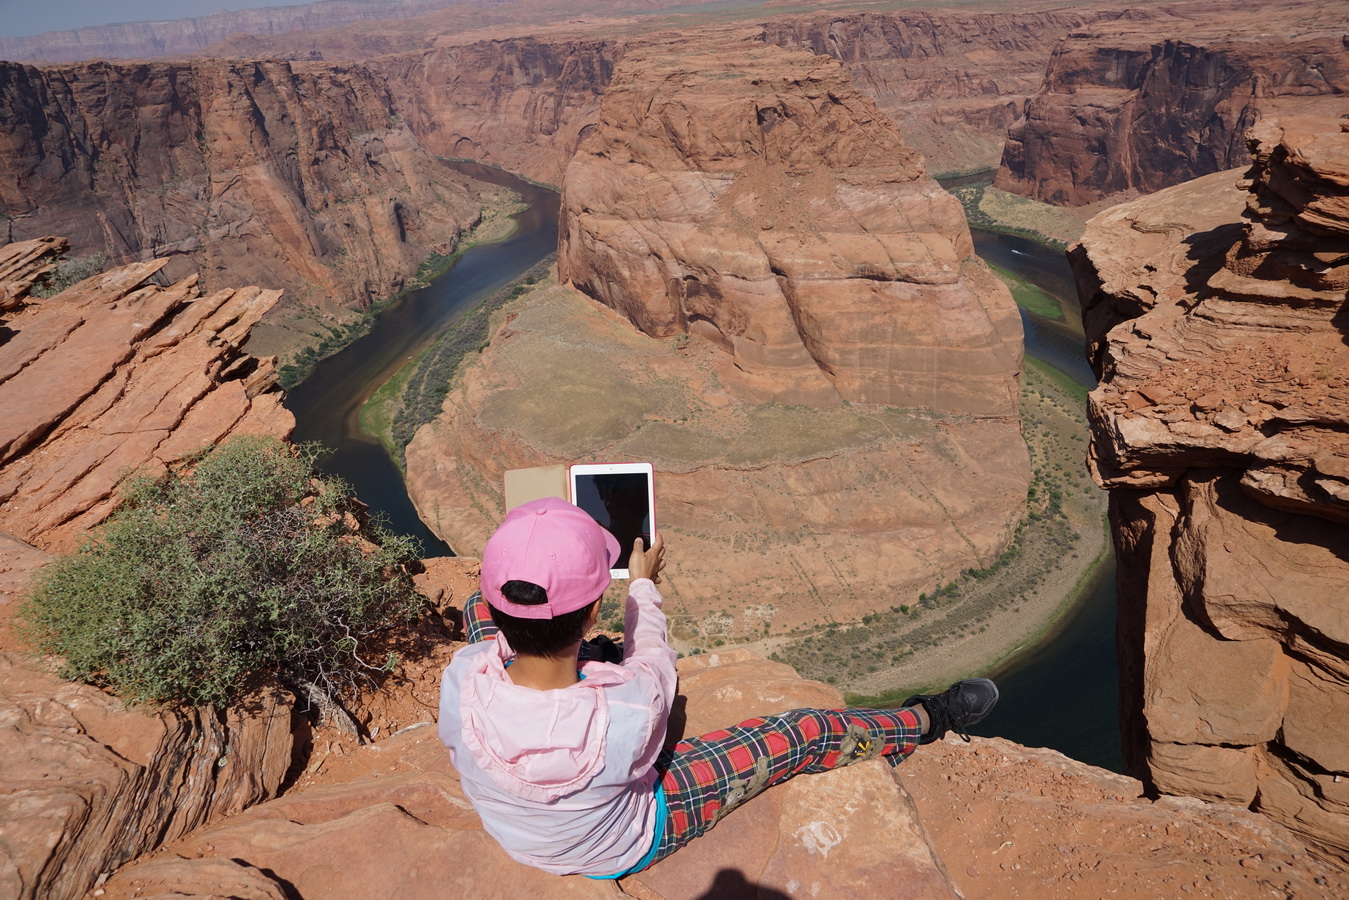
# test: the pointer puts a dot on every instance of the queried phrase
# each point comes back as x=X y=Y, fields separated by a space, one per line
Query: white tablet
x=622 y=498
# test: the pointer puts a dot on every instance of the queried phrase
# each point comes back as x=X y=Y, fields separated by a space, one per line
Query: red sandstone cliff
x=952 y=82
x=303 y=180
x=1141 y=103
x=1216 y=312
x=754 y=197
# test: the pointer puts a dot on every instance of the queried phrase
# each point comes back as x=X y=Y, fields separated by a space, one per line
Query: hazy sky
x=23 y=17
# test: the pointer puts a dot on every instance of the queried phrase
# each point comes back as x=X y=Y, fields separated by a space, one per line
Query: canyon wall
x=1217 y=319
x=1140 y=103
x=297 y=179
x=521 y=103
x=754 y=197
x=952 y=82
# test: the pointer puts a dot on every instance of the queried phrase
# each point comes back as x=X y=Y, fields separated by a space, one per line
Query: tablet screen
x=618 y=500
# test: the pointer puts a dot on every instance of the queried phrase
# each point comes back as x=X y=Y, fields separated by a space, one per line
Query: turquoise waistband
x=662 y=813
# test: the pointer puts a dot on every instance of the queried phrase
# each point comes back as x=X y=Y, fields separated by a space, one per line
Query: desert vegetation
x=413 y=397
x=68 y=271
x=238 y=564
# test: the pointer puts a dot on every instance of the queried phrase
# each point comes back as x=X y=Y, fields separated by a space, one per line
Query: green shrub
x=240 y=564
x=69 y=270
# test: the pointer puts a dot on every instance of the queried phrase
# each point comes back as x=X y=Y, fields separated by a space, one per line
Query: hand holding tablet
x=621 y=497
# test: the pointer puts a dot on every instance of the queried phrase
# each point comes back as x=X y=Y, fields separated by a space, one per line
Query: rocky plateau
x=389 y=820
x=1217 y=318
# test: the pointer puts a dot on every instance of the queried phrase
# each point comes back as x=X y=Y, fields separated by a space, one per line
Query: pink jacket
x=564 y=779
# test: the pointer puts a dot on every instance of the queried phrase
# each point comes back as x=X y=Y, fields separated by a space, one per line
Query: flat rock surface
x=389 y=820
x=1023 y=822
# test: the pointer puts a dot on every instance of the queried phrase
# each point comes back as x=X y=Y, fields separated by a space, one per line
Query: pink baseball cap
x=555 y=545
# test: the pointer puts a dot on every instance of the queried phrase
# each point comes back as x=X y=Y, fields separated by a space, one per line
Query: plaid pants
x=706 y=777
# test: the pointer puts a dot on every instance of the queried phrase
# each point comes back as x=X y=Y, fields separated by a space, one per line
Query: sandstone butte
x=1133 y=104
x=1217 y=318
x=840 y=432
x=290 y=178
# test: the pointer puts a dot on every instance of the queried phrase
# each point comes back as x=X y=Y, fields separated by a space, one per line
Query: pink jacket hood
x=538 y=745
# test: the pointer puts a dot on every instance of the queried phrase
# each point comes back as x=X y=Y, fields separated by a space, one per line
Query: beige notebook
x=524 y=485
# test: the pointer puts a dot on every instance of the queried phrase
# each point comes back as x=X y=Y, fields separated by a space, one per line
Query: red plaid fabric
x=478 y=619
x=706 y=777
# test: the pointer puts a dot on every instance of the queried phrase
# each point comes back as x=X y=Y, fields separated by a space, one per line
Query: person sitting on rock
x=566 y=765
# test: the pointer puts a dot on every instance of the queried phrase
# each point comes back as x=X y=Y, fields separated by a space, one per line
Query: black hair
x=538 y=637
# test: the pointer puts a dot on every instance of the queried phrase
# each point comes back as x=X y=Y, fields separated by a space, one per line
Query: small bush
x=70 y=270
x=242 y=563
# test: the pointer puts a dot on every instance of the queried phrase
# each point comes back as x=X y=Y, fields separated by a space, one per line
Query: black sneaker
x=956 y=708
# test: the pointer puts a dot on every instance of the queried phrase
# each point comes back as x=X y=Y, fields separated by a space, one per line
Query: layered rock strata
x=522 y=103
x=1216 y=314
x=117 y=375
x=1144 y=102
x=86 y=785
x=778 y=516
x=754 y=197
x=113 y=376
x=952 y=82
x=289 y=178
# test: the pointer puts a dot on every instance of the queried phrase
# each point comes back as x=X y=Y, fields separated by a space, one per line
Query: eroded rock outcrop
x=87 y=785
x=1147 y=101
x=117 y=375
x=235 y=171
x=1219 y=428
x=112 y=376
x=754 y=197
